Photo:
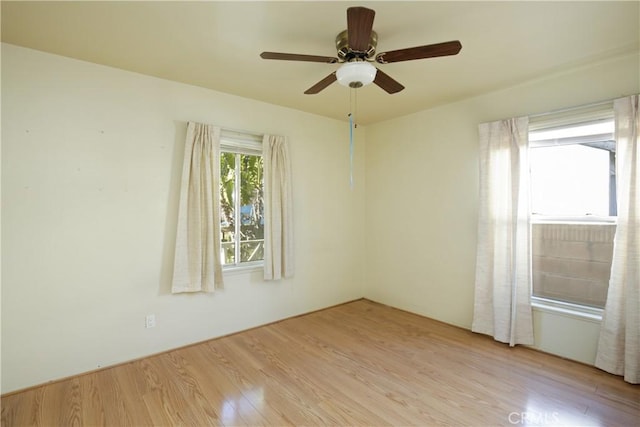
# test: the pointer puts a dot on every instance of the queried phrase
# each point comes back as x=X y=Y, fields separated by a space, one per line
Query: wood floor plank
x=226 y=402
x=93 y=403
x=123 y=395
x=361 y=363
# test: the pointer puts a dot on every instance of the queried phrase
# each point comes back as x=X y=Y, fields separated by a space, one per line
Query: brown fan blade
x=321 y=84
x=387 y=83
x=420 y=52
x=359 y=26
x=298 y=57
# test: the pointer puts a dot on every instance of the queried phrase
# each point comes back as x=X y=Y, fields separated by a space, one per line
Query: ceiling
x=217 y=45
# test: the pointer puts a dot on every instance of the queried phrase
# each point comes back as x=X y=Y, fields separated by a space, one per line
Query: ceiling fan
x=356 y=48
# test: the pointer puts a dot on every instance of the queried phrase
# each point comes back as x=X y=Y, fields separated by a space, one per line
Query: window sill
x=576 y=311
x=591 y=220
x=238 y=269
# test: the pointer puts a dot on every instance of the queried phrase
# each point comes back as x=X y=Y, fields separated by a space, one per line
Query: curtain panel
x=619 y=344
x=502 y=301
x=197 y=264
x=278 y=230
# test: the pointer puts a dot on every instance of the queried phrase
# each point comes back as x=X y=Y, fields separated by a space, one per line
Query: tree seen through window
x=242 y=206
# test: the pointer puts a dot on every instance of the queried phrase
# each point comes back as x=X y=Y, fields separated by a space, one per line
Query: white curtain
x=278 y=229
x=502 y=306
x=619 y=344
x=197 y=258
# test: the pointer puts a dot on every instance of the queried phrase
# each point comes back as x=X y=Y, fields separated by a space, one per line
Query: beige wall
x=91 y=162
x=422 y=199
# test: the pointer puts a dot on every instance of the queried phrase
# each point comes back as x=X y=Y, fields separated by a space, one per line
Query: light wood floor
x=361 y=363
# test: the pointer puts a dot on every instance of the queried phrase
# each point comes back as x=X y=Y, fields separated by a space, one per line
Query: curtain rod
x=566 y=110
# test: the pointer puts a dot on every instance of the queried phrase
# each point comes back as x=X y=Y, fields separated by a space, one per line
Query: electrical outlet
x=150 y=321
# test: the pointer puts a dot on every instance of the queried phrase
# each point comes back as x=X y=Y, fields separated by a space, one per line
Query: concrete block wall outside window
x=572 y=262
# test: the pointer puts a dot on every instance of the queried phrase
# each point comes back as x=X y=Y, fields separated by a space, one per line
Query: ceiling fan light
x=356 y=74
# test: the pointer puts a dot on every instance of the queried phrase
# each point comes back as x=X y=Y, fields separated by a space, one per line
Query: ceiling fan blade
x=321 y=84
x=359 y=26
x=387 y=83
x=420 y=52
x=298 y=57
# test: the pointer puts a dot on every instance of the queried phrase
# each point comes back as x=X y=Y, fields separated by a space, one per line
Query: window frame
x=239 y=143
x=580 y=311
x=551 y=121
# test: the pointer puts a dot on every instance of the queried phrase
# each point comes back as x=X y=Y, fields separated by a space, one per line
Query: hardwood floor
x=360 y=363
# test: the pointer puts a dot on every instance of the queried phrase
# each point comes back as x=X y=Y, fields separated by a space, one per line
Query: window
x=241 y=199
x=573 y=207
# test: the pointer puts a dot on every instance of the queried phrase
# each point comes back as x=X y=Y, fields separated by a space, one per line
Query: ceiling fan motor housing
x=346 y=54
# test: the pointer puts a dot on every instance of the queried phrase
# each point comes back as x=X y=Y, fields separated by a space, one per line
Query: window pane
x=227 y=214
x=572 y=262
x=251 y=208
x=252 y=250
x=570 y=180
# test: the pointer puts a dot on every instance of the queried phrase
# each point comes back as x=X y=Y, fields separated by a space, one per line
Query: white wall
x=91 y=163
x=422 y=199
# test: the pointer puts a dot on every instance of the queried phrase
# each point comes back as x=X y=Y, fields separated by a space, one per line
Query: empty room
x=382 y=213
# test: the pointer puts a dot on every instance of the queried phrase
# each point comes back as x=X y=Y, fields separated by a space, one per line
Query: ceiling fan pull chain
x=351 y=151
x=353 y=107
